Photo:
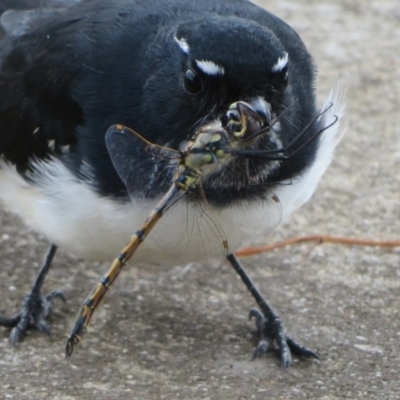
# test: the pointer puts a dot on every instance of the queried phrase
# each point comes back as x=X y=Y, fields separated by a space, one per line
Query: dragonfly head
x=242 y=121
x=213 y=144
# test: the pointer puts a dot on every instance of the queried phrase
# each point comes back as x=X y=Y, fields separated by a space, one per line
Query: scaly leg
x=36 y=307
x=269 y=325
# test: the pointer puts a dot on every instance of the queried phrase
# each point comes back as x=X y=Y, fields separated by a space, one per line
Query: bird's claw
x=272 y=330
x=34 y=312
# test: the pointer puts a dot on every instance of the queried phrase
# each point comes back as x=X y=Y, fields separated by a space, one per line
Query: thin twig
x=251 y=251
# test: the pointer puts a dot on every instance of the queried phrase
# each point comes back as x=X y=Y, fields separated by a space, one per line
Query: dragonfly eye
x=233 y=115
x=232 y=120
x=192 y=82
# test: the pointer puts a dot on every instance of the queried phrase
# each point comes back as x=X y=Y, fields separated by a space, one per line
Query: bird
x=70 y=69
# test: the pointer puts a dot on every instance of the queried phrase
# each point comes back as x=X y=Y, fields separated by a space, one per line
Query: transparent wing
x=126 y=147
x=262 y=214
x=245 y=223
x=190 y=231
x=193 y=231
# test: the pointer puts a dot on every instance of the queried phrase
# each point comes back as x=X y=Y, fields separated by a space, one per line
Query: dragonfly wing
x=128 y=150
x=190 y=232
x=263 y=214
x=244 y=223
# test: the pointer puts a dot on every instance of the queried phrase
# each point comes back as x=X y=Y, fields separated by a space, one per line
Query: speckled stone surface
x=183 y=333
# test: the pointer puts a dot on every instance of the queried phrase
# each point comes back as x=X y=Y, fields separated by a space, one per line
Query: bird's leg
x=269 y=325
x=36 y=307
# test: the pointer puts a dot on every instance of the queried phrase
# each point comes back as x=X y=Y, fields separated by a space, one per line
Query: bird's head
x=212 y=63
x=196 y=69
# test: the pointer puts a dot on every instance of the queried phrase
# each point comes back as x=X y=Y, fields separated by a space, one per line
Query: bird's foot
x=271 y=330
x=33 y=314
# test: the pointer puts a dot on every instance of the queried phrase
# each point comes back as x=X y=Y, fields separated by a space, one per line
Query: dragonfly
x=213 y=146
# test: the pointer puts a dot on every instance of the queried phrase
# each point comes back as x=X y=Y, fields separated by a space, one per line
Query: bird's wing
x=28 y=124
x=19 y=17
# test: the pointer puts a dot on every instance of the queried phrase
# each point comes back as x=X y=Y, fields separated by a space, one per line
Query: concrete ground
x=183 y=333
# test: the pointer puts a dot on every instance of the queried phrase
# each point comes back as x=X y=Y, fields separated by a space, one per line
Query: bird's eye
x=192 y=82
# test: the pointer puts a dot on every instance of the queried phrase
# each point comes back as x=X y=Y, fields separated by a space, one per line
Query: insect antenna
x=201 y=121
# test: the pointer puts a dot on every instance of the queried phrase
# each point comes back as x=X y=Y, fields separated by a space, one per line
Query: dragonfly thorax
x=204 y=154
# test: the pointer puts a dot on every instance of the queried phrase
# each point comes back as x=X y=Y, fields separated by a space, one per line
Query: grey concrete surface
x=183 y=333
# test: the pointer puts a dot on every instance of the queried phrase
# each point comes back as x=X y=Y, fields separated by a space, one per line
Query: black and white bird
x=69 y=69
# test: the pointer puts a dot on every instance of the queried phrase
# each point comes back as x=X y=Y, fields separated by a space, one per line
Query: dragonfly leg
x=269 y=325
x=36 y=307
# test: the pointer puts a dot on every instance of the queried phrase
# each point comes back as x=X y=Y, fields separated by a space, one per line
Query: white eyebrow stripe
x=210 y=68
x=281 y=63
x=183 y=44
